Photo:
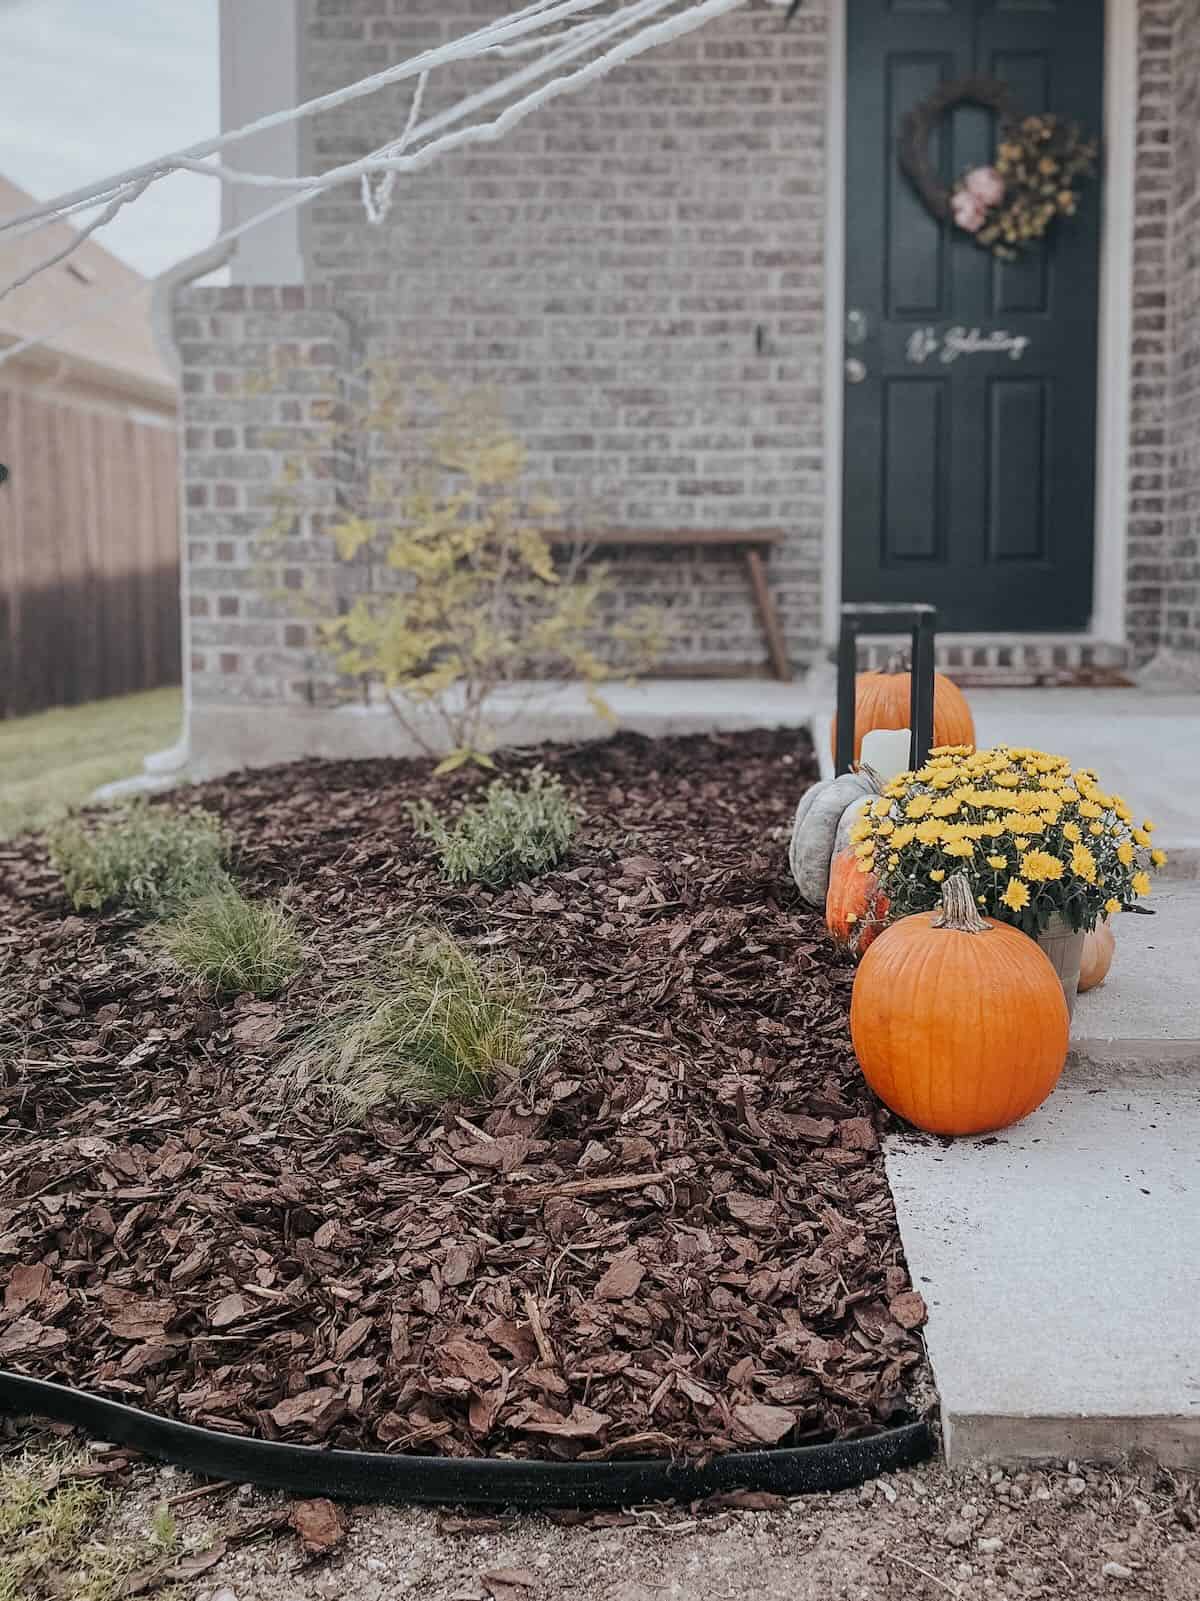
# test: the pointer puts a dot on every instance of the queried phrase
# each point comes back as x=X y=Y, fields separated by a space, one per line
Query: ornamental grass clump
x=144 y=860
x=232 y=945
x=513 y=834
x=1034 y=836
x=429 y=1023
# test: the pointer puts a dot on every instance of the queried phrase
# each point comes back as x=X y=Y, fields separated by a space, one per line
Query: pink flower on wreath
x=967 y=210
x=986 y=184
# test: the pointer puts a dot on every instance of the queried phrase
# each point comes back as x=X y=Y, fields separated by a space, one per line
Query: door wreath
x=1034 y=178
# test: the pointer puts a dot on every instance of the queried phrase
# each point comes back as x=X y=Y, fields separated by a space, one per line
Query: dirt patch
x=679 y=1237
x=975 y=1535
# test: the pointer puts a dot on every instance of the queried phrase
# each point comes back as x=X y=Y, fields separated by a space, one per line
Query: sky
x=88 y=87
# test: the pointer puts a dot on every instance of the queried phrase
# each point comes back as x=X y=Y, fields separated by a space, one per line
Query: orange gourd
x=882 y=700
x=855 y=907
x=959 y=1025
x=1099 y=945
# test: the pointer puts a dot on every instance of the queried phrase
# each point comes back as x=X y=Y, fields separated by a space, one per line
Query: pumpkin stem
x=865 y=770
x=959 y=911
x=897 y=662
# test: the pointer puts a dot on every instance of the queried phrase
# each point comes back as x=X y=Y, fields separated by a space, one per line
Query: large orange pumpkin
x=959 y=1024
x=855 y=907
x=1099 y=944
x=883 y=700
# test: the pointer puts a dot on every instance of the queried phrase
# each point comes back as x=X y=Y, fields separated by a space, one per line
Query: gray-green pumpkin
x=815 y=829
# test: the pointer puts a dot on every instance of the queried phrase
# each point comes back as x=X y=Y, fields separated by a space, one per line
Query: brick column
x=1181 y=609
x=265 y=374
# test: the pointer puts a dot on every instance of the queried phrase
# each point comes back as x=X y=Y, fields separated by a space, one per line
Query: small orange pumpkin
x=883 y=700
x=855 y=907
x=959 y=1025
x=1099 y=944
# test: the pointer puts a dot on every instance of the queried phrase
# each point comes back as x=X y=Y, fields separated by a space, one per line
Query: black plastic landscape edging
x=311 y=1470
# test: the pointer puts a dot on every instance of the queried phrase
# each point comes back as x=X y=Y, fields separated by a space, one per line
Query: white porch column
x=261 y=71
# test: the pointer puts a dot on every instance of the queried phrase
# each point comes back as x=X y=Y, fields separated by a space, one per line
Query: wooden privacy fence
x=89 y=554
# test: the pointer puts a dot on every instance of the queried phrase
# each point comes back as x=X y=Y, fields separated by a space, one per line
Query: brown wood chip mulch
x=679 y=1239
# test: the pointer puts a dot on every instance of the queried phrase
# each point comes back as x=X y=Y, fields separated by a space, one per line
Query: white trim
x=1114 y=354
x=835 y=310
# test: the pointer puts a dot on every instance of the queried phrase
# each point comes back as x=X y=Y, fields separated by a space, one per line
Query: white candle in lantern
x=887 y=751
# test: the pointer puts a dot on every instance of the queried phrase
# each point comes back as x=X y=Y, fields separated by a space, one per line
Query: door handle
x=856 y=370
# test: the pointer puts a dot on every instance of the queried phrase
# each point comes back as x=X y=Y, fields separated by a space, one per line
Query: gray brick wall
x=607 y=267
x=1181 y=610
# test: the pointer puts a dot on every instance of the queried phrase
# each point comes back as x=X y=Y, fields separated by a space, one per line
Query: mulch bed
x=679 y=1239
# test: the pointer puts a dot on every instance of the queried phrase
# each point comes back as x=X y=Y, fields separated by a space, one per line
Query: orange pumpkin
x=959 y=1025
x=855 y=907
x=1099 y=944
x=883 y=700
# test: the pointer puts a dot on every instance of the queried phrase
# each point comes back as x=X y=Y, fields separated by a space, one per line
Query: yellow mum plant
x=1034 y=835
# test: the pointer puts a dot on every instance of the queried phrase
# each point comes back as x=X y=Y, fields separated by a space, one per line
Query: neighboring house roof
x=110 y=346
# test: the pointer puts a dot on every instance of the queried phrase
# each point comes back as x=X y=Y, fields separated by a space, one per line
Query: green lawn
x=54 y=760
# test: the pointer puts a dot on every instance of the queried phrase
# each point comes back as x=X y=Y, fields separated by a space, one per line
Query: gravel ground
x=978 y=1535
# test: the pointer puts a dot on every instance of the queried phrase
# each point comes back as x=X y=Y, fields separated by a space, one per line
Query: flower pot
x=1064 y=946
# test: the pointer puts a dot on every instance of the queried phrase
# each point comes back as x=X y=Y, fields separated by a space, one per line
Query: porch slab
x=224 y=737
x=1144 y=745
x=1060 y=1262
x=1147 y=1012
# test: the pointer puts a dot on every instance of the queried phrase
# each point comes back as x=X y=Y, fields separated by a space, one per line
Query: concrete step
x=1015 y=659
x=1060 y=1261
x=1147 y=1012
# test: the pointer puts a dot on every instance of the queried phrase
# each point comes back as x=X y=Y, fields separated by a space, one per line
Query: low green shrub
x=233 y=945
x=511 y=835
x=142 y=859
x=428 y=1023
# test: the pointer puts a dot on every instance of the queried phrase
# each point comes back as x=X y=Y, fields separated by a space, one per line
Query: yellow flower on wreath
x=1140 y=883
x=1040 y=867
x=1016 y=895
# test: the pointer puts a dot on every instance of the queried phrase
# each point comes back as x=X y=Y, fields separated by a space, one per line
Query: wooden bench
x=753 y=544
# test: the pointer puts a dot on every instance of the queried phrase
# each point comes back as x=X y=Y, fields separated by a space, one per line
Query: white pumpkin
x=815 y=828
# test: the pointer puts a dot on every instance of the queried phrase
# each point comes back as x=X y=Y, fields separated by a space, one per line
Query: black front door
x=970 y=387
